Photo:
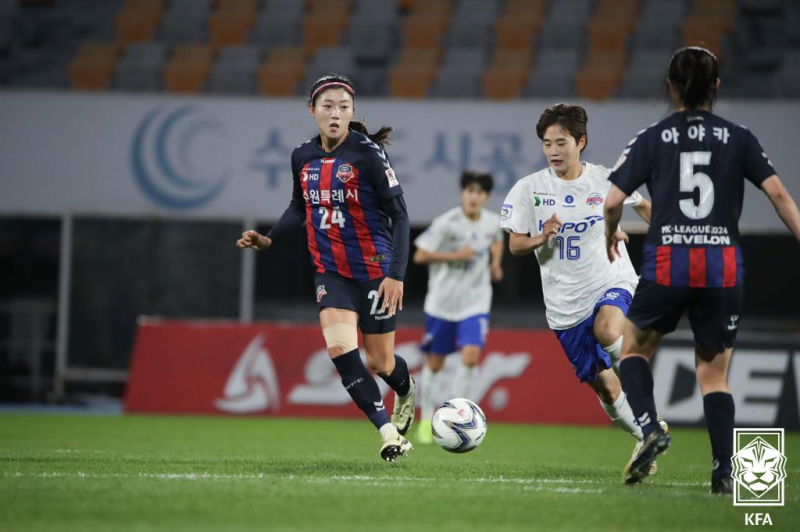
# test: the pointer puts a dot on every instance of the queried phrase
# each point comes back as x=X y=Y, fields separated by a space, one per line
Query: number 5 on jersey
x=336 y=218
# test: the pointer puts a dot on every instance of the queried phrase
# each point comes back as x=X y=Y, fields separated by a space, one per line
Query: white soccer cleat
x=638 y=446
x=394 y=445
x=403 y=412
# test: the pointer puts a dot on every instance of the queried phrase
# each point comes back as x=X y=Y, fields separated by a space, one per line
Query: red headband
x=346 y=87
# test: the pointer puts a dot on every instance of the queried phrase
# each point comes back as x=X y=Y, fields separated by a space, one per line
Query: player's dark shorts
x=334 y=291
x=713 y=312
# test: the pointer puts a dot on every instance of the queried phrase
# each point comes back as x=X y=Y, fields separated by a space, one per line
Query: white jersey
x=574 y=265
x=459 y=290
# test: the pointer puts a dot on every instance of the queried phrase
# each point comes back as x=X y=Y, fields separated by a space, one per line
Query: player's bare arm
x=519 y=244
x=253 y=240
x=612 y=214
x=783 y=203
x=496 y=252
x=422 y=256
x=644 y=210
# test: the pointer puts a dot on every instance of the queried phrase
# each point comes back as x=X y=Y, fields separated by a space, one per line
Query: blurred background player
x=464 y=250
x=557 y=214
x=358 y=235
x=695 y=165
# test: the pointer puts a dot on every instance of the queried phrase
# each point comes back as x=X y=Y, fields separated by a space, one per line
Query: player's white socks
x=429 y=388
x=388 y=431
x=462 y=382
x=622 y=416
x=613 y=351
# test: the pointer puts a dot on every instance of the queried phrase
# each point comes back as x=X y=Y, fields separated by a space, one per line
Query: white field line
x=530 y=484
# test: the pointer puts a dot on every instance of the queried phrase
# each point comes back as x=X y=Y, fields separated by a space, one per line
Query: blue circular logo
x=569 y=200
x=175 y=157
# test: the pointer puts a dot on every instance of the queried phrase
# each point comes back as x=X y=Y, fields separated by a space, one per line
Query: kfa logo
x=759 y=467
x=253 y=384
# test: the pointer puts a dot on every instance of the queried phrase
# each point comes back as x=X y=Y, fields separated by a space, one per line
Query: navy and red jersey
x=344 y=192
x=694 y=164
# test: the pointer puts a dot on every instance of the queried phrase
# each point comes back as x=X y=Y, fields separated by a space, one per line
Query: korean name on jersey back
x=694 y=165
x=348 y=231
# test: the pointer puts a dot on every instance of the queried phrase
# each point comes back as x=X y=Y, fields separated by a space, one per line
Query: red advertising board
x=277 y=369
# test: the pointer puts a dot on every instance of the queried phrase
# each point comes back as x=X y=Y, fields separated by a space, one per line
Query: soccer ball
x=458 y=426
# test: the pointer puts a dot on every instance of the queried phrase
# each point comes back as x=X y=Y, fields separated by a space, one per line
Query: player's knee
x=381 y=367
x=435 y=363
x=606 y=333
x=340 y=338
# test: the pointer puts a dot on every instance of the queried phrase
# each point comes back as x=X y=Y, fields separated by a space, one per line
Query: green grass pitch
x=183 y=473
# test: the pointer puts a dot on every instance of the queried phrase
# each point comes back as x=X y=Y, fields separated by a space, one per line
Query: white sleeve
x=516 y=213
x=433 y=237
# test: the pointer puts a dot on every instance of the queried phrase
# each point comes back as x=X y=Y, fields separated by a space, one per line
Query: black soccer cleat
x=656 y=443
x=722 y=486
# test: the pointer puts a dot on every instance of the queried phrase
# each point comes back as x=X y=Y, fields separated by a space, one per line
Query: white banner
x=211 y=157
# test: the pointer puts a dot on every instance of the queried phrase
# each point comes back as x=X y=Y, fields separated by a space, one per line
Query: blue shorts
x=581 y=347
x=444 y=337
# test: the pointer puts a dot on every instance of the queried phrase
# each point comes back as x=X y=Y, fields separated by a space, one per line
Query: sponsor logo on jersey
x=321 y=292
x=393 y=182
x=594 y=199
x=506 y=210
x=759 y=467
x=344 y=173
x=578 y=227
x=569 y=201
x=537 y=201
x=328 y=161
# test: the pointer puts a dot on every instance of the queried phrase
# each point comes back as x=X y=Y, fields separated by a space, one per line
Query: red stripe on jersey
x=728 y=266
x=664 y=265
x=697 y=267
x=312 y=237
x=368 y=251
x=333 y=230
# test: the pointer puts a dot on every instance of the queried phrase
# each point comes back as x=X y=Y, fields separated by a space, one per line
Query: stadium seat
x=188 y=68
x=277 y=31
x=281 y=72
x=94 y=66
x=519 y=23
x=612 y=24
x=506 y=76
x=413 y=73
x=185 y=26
x=137 y=20
x=424 y=28
x=601 y=75
x=325 y=24
x=371 y=43
x=334 y=59
x=232 y=22
x=235 y=70
x=141 y=67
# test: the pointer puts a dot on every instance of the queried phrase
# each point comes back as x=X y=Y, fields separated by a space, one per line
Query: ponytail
x=380 y=137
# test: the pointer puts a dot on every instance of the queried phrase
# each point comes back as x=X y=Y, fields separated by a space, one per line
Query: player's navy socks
x=362 y=387
x=720 y=411
x=637 y=381
x=398 y=379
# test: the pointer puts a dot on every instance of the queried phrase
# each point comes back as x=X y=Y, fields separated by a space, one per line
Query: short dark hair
x=569 y=116
x=381 y=137
x=693 y=71
x=481 y=179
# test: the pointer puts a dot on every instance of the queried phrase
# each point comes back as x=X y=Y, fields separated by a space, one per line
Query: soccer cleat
x=394 y=445
x=654 y=466
x=722 y=486
x=403 y=412
x=424 y=433
x=639 y=465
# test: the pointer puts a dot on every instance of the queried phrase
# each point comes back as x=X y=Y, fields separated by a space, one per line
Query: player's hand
x=253 y=240
x=464 y=254
x=612 y=242
x=497 y=273
x=551 y=228
x=391 y=290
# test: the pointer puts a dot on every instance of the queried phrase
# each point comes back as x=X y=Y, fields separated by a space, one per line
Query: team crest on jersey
x=594 y=199
x=344 y=173
x=320 y=292
x=506 y=210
